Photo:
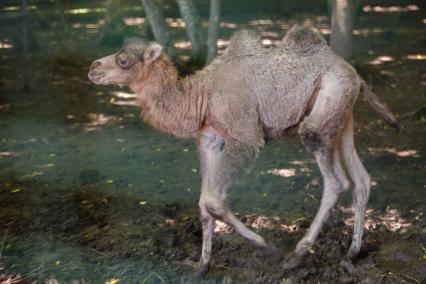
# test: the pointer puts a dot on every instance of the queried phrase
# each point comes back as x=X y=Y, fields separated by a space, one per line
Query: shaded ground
x=92 y=237
x=88 y=193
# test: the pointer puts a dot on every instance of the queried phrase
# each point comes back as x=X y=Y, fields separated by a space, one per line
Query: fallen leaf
x=112 y=281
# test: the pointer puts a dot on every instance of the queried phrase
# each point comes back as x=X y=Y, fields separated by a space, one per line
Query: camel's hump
x=244 y=42
x=302 y=38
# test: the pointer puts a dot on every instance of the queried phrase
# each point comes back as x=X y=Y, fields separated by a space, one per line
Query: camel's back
x=280 y=80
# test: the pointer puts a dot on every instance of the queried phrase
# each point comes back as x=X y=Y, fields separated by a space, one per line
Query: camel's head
x=122 y=68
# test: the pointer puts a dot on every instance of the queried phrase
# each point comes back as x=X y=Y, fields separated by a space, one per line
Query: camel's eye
x=123 y=62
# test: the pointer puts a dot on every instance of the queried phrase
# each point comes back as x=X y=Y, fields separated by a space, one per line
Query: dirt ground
x=85 y=229
x=90 y=194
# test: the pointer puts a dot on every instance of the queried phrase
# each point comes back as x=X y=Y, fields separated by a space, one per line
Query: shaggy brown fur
x=243 y=97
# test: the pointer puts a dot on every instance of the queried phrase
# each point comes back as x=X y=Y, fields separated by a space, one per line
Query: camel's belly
x=283 y=104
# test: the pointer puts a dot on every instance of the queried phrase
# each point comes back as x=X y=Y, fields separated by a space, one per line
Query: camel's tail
x=382 y=110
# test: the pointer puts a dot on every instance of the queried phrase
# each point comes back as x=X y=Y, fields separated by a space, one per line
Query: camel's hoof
x=353 y=253
x=272 y=252
x=293 y=260
x=201 y=272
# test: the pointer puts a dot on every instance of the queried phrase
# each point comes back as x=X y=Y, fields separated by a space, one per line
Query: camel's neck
x=169 y=104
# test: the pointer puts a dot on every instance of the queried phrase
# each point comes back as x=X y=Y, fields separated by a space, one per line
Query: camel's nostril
x=95 y=65
x=94 y=74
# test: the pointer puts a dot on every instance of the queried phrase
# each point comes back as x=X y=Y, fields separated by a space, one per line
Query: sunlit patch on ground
x=5 y=106
x=386 y=58
x=32 y=174
x=228 y=25
x=260 y=222
x=402 y=153
x=325 y=31
x=416 y=56
x=9 y=279
x=98 y=25
x=381 y=59
x=390 y=9
x=391 y=219
x=184 y=44
x=222 y=43
x=99 y=119
x=303 y=165
x=367 y=32
x=303 y=162
x=123 y=102
x=134 y=21
x=282 y=172
x=85 y=11
x=18 y=8
x=222 y=228
x=123 y=95
x=270 y=34
x=291 y=172
x=12 y=8
x=7 y=154
x=175 y=22
x=261 y=22
x=5 y=45
x=123 y=99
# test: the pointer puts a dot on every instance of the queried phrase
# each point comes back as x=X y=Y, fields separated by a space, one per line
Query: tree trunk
x=25 y=48
x=193 y=27
x=342 y=20
x=214 y=27
x=61 y=8
x=154 y=13
x=112 y=33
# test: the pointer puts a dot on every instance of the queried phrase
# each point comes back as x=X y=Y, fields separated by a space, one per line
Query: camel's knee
x=212 y=142
x=205 y=217
x=316 y=139
x=311 y=139
x=362 y=191
x=213 y=206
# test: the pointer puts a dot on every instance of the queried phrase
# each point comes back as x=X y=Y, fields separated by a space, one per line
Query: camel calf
x=247 y=95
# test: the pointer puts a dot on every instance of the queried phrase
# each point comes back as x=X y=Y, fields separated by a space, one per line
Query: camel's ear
x=152 y=52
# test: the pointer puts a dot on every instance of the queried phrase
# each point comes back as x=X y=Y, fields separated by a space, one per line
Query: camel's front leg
x=221 y=161
x=208 y=224
x=211 y=151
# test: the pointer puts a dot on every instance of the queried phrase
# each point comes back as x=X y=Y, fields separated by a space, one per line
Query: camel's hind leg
x=320 y=133
x=361 y=181
x=333 y=186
